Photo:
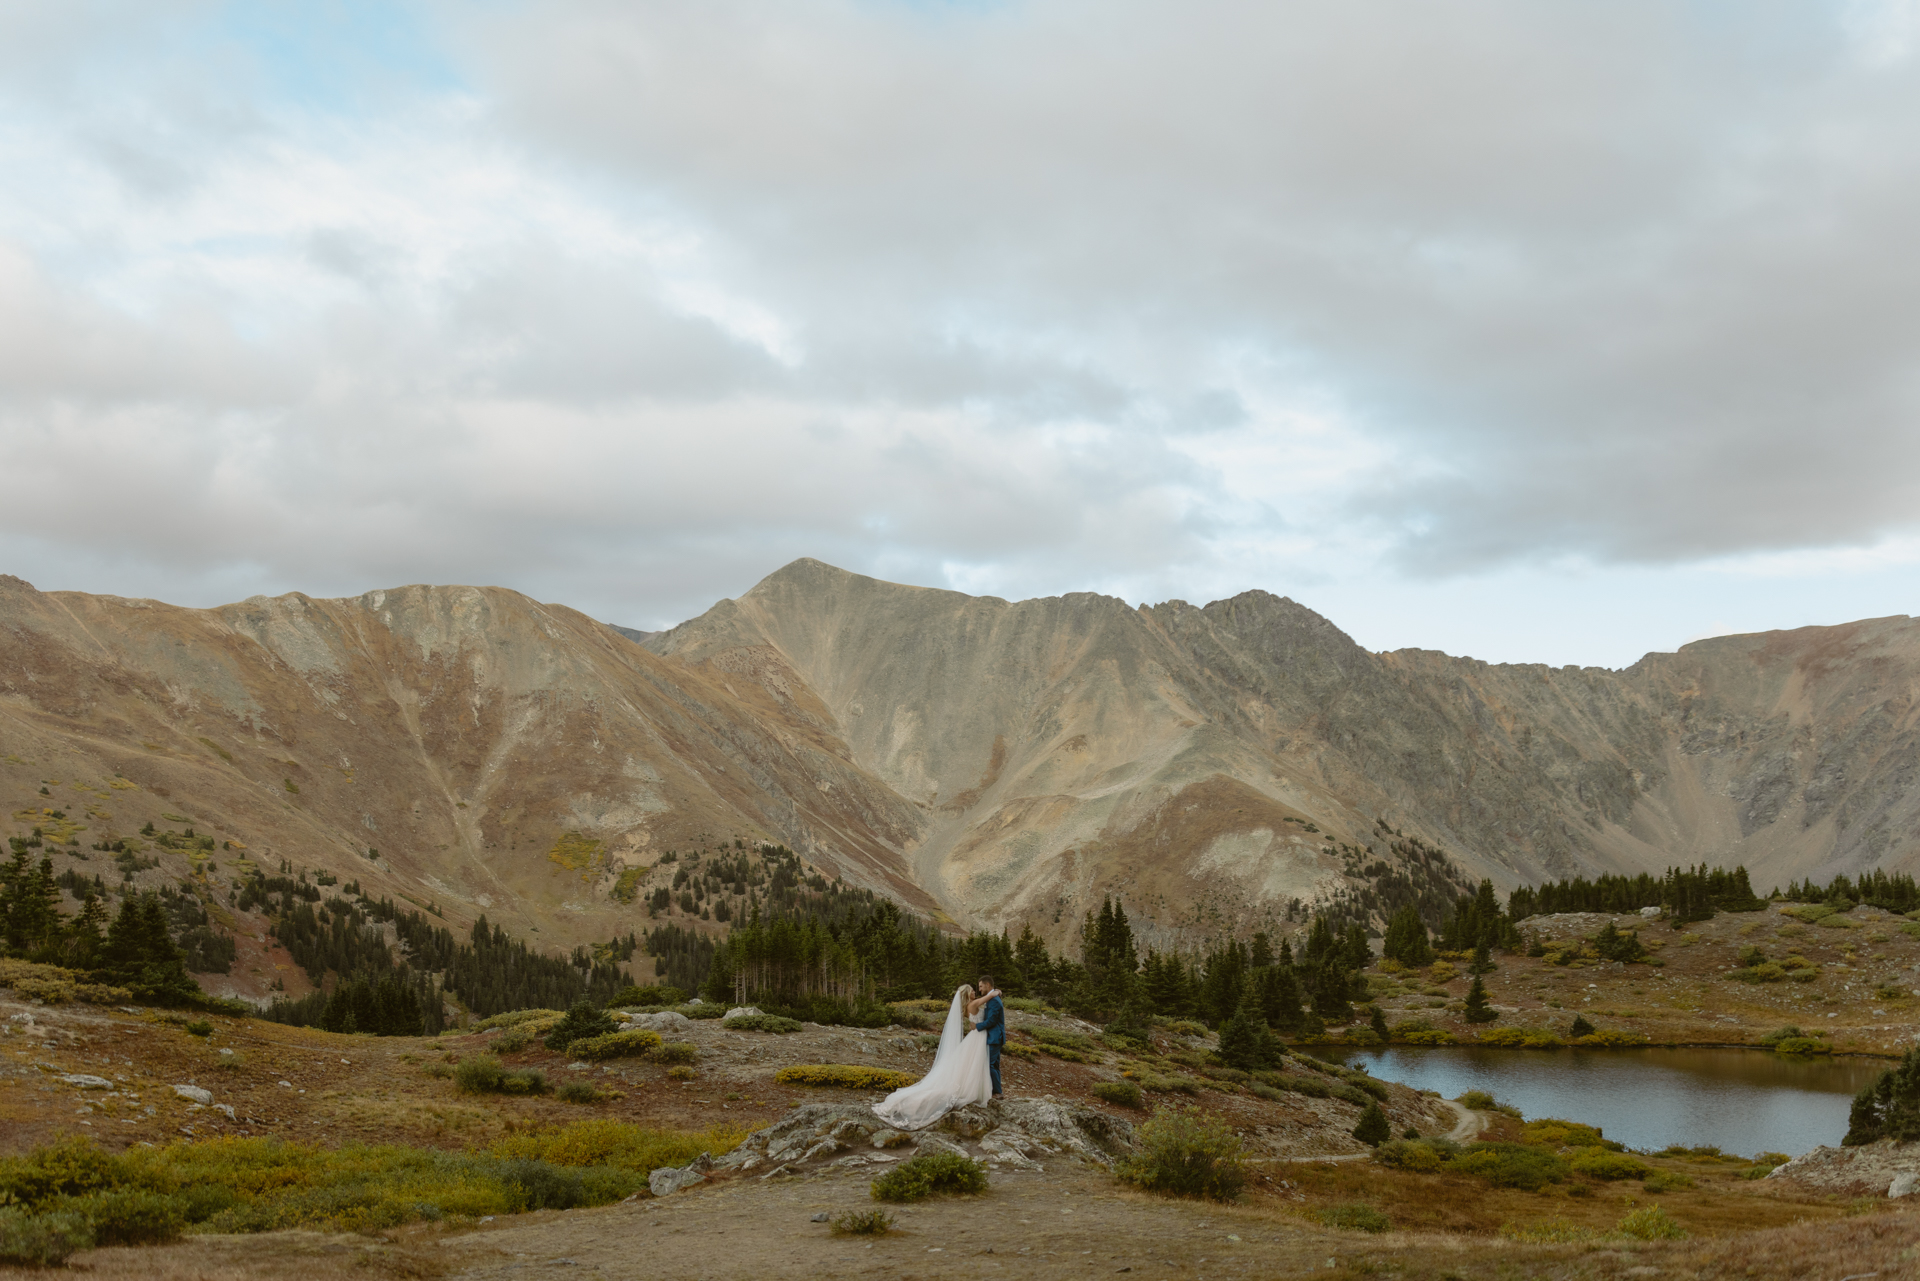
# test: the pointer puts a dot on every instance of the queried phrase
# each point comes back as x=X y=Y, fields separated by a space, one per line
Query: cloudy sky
x=1533 y=331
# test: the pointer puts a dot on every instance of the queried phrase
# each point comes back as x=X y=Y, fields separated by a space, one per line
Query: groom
x=993 y=1021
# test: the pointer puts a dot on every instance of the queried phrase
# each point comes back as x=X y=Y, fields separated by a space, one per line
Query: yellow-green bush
x=1547 y=1232
x=680 y=1052
x=1523 y=1038
x=1184 y=1152
x=55 y=986
x=1667 y=1181
x=1598 y=1163
x=514 y=1018
x=1551 y=1132
x=1609 y=1038
x=70 y=1195
x=1124 y=1093
x=1651 y=1223
x=922 y=1176
x=615 y=1045
x=844 y=1076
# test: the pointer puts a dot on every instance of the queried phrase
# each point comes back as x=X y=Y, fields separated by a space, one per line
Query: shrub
x=41 y=1240
x=1609 y=1038
x=1667 y=1181
x=1419 y=1032
x=1651 y=1223
x=618 y=1144
x=860 y=1223
x=1372 y=1128
x=485 y=1074
x=1355 y=1216
x=1477 y=1100
x=578 y=1092
x=1580 y=1026
x=1598 y=1163
x=1422 y=1157
x=1523 y=1038
x=1890 y=1107
x=583 y=1021
x=763 y=1023
x=616 y=1045
x=1551 y=1132
x=1617 y=945
x=922 y=1176
x=1124 y=1093
x=675 y=1052
x=843 y=1076
x=680 y=1072
x=130 y=1216
x=1547 y=1232
x=1512 y=1165
x=514 y=1018
x=1184 y=1152
x=197 y=1027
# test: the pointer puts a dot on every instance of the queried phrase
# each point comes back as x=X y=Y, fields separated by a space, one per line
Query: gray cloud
x=1155 y=299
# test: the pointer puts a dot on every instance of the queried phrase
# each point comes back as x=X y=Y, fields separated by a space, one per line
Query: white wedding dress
x=959 y=1076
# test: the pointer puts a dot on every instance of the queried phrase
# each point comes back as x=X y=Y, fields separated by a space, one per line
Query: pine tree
x=1262 y=955
x=1279 y=994
x=1482 y=962
x=1477 y=1011
x=1406 y=940
x=1245 y=1041
x=1379 y=1024
x=1372 y=1128
x=1580 y=1026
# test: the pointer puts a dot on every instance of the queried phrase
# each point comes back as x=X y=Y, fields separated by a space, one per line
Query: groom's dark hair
x=986 y=984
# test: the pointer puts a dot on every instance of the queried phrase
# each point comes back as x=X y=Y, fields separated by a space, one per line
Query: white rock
x=1902 y=1185
x=194 y=1094
x=1649 y=912
x=670 y=1179
x=665 y=1021
x=86 y=1082
x=739 y=1012
x=227 y=1108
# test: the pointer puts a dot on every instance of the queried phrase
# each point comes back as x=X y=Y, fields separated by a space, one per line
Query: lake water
x=1745 y=1101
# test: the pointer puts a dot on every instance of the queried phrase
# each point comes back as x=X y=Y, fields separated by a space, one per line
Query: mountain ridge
x=993 y=763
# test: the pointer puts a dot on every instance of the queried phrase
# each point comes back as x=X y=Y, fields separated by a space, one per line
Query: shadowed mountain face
x=1007 y=763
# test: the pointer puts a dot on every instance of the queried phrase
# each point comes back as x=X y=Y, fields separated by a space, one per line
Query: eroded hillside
x=1002 y=763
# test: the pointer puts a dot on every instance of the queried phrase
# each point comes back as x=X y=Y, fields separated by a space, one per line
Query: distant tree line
x=1686 y=894
x=136 y=950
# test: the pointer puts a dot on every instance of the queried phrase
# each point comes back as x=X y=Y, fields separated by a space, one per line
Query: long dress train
x=959 y=1076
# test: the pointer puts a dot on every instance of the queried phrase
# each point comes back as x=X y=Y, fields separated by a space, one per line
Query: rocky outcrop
x=1885 y=1168
x=1019 y=1134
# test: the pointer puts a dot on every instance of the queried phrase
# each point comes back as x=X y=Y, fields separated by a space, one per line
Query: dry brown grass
x=299 y=1256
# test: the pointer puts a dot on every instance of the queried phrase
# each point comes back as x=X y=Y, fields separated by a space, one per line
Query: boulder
x=671 y=1179
x=1069 y=1128
x=664 y=1021
x=927 y=1143
x=1902 y=1185
x=194 y=1094
x=87 y=1082
x=740 y=1012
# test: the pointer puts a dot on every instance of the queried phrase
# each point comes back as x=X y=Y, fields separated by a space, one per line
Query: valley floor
x=1071 y=1220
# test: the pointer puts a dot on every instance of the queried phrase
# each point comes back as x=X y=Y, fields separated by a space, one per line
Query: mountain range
x=990 y=763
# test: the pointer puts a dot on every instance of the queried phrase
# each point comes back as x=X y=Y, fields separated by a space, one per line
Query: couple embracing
x=966 y=1069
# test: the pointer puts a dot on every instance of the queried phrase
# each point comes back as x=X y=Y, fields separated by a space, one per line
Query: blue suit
x=993 y=1021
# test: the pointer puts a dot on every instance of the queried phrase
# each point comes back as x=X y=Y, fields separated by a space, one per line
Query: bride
x=959 y=1074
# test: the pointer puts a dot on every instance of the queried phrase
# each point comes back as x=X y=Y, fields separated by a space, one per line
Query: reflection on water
x=1745 y=1101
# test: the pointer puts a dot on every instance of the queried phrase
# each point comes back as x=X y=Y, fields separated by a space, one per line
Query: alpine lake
x=1742 y=1101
